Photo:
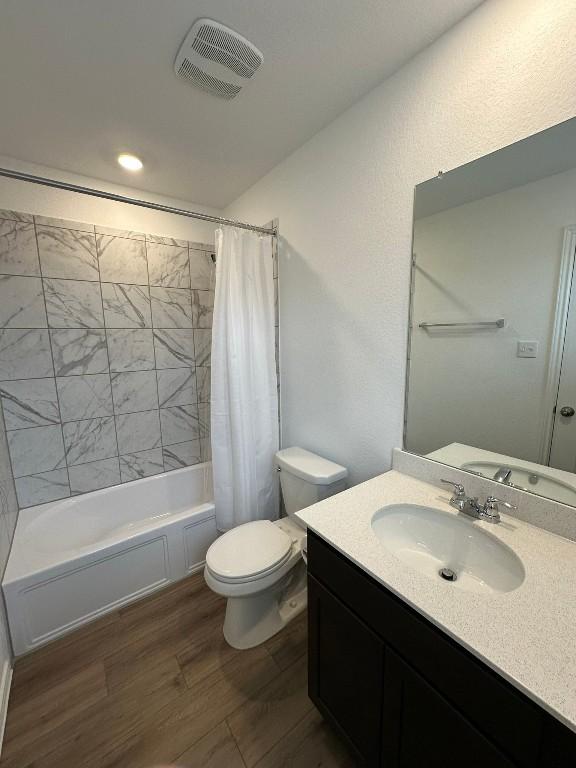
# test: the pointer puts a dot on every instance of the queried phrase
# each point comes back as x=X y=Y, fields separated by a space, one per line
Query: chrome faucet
x=469 y=505
x=503 y=475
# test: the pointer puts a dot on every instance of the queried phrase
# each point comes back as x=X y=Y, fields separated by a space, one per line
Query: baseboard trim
x=5 y=684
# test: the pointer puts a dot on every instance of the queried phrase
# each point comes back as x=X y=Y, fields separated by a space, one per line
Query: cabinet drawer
x=505 y=716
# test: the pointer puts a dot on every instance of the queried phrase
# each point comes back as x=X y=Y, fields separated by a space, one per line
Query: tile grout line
x=161 y=446
x=65 y=456
x=101 y=373
x=110 y=416
x=103 y=327
x=105 y=282
x=117 y=456
x=195 y=371
x=111 y=231
x=110 y=381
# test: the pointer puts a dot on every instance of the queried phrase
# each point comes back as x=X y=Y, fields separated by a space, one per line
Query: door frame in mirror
x=565 y=283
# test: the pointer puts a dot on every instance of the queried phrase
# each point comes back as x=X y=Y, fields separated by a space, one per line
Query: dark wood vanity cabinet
x=402 y=693
x=346 y=671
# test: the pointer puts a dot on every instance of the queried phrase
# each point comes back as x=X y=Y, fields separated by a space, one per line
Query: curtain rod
x=20 y=176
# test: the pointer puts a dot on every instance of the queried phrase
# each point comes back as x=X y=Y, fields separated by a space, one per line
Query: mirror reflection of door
x=563 y=443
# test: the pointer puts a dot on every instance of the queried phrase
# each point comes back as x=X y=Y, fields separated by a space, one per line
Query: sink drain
x=448 y=574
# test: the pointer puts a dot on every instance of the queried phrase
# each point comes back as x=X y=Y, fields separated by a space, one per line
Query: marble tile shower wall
x=8 y=507
x=104 y=354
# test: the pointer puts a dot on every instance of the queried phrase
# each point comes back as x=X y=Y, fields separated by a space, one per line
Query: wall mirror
x=492 y=355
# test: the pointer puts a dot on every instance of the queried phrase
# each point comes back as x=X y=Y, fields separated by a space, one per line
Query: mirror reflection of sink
x=527 y=479
x=431 y=540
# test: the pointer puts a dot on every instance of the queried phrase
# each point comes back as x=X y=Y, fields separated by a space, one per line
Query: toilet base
x=253 y=619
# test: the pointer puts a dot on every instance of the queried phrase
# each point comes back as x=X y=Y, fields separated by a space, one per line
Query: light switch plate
x=527 y=349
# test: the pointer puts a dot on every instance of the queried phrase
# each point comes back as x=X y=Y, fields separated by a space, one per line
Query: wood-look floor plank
x=147 y=649
x=266 y=718
x=39 y=671
x=188 y=606
x=143 y=622
x=180 y=596
x=105 y=639
x=178 y=727
x=215 y=750
x=83 y=635
x=310 y=744
x=290 y=644
x=152 y=635
x=39 y=716
x=155 y=683
x=206 y=651
x=82 y=740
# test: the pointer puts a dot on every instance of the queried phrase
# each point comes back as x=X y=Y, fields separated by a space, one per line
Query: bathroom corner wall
x=8 y=519
x=104 y=354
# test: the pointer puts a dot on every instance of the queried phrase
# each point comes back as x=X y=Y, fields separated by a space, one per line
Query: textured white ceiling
x=82 y=80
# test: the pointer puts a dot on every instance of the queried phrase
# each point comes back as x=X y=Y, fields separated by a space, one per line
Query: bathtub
x=76 y=559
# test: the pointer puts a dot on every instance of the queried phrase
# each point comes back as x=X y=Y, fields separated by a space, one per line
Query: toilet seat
x=249 y=552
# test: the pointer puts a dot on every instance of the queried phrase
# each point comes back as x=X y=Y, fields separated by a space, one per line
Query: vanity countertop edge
x=527 y=635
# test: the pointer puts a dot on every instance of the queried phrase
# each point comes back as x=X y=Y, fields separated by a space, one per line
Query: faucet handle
x=493 y=503
x=459 y=489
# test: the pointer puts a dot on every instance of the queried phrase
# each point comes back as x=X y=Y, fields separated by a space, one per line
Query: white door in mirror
x=563 y=445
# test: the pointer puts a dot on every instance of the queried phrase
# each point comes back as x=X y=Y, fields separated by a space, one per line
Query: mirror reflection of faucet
x=503 y=475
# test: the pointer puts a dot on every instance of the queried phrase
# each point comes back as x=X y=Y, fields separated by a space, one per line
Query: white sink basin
x=430 y=540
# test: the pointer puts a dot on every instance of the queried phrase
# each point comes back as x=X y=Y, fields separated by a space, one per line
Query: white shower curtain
x=244 y=400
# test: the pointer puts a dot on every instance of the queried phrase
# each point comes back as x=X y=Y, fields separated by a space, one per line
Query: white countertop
x=527 y=635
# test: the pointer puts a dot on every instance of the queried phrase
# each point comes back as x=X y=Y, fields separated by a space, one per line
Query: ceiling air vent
x=217 y=59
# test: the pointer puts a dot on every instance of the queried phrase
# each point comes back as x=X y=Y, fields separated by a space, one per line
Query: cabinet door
x=346 y=672
x=422 y=729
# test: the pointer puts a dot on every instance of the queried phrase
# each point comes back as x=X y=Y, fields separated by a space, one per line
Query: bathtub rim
x=19 y=567
x=37 y=509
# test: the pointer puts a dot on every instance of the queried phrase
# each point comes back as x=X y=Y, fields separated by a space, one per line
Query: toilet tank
x=306 y=478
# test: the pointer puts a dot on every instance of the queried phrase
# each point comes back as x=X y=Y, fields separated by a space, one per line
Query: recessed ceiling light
x=130 y=162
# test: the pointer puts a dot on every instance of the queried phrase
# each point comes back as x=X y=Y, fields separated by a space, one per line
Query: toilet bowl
x=259 y=566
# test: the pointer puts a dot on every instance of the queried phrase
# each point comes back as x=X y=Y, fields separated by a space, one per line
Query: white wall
x=45 y=201
x=496 y=257
x=344 y=201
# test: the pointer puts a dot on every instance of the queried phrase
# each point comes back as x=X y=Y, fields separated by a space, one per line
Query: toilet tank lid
x=309 y=466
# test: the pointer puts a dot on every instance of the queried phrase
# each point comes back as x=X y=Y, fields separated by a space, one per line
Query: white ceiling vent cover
x=217 y=59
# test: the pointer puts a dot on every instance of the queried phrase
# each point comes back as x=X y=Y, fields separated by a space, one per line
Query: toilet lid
x=248 y=550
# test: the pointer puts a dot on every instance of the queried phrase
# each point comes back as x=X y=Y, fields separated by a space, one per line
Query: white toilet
x=258 y=566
